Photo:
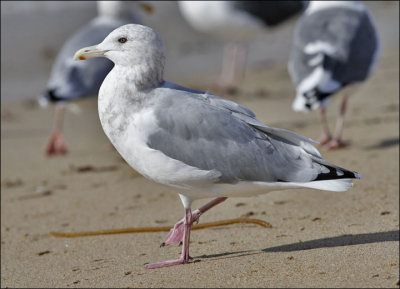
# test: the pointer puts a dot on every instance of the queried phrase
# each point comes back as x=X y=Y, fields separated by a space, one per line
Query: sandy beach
x=317 y=239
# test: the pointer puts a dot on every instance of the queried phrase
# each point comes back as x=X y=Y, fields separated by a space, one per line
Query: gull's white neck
x=139 y=77
x=123 y=93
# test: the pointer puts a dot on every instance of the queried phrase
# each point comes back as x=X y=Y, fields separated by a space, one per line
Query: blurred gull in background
x=199 y=143
x=71 y=80
x=237 y=22
x=335 y=45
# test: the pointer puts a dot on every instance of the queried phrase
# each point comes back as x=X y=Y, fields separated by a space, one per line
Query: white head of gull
x=199 y=143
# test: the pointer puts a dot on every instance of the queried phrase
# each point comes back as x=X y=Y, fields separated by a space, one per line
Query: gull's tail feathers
x=339 y=185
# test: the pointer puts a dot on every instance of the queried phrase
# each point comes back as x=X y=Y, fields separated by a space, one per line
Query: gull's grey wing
x=352 y=41
x=212 y=99
x=202 y=132
x=71 y=79
x=247 y=116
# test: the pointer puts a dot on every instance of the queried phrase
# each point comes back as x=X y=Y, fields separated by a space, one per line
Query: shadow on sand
x=344 y=240
x=385 y=144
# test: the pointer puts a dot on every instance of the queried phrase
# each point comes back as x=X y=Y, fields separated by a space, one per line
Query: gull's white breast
x=128 y=128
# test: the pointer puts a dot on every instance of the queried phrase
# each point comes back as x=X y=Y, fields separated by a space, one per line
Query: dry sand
x=318 y=238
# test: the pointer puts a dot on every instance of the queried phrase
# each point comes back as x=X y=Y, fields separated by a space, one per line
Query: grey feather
x=212 y=99
x=210 y=133
x=350 y=31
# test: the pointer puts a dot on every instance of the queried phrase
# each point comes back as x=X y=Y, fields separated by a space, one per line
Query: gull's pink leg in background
x=325 y=135
x=176 y=234
x=337 y=142
x=233 y=67
x=56 y=144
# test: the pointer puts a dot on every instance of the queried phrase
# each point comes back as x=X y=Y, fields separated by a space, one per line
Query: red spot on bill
x=82 y=58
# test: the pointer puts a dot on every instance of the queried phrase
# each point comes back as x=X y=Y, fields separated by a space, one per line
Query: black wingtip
x=51 y=96
x=337 y=173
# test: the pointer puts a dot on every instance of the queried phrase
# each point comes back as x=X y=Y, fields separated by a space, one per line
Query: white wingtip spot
x=324 y=170
x=339 y=172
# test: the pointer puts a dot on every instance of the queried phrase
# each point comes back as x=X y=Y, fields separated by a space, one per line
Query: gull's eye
x=122 y=40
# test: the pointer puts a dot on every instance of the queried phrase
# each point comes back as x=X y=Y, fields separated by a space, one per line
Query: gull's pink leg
x=233 y=67
x=337 y=141
x=185 y=249
x=175 y=235
x=326 y=135
x=56 y=144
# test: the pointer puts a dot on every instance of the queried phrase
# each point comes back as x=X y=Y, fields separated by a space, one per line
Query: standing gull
x=66 y=82
x=199 y=143
x=335 y=45
x=236 y=22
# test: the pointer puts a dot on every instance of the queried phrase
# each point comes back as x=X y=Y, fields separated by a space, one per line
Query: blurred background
x=33 y=32
x=353 y=236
